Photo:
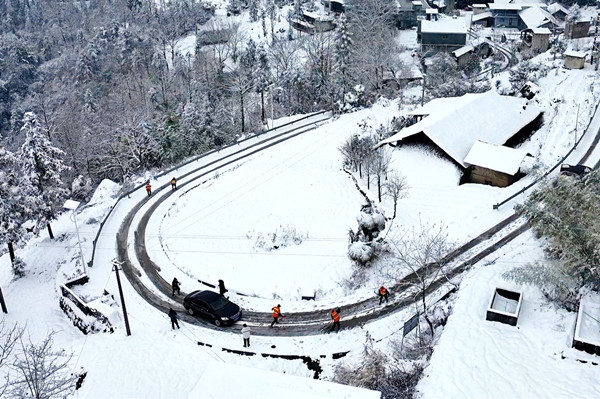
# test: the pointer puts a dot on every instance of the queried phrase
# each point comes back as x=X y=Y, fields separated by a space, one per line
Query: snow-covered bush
x=371 y=221
x=284 y=236
x=353 y=99
x=18 y=268
x=81 y=188
x=552 y=279
x=524 y=72
x=564 y=211
x=360 y=252
x=392 y=377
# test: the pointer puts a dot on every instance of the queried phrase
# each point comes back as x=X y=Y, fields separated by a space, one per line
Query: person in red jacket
x=335 y=315
x=276 y=314
x=148 y=188
x=383 y=293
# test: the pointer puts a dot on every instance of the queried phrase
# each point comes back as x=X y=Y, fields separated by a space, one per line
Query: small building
x=576 y=29
x=587 y=327
x=504 y=306
x=536 y=17
x=506 y=15
x=493 y=164
x=431 y=14
x=454 y=124
x=462 y=55
x=479 y=8
x=558 y=11
x=409 y=13
x=447 y=34
x=484 y=18
x=337 y=6
x=574 y=59
x=537 y=39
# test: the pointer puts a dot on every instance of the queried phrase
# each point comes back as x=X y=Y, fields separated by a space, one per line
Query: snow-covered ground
x=215 y=229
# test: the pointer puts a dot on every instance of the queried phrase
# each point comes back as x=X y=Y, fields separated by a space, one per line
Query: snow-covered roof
x=536 y=16
x=431 y=11
x=504 y=6
x=541 y=31
x=555 y=7
x=338 y=1
x=495 y=157
x=573 y=53
x=220 y=380
x=482 y=15
x=463 y=50
x=417 y=3
x=444 y=25
x=455 y=123
x=479 y=5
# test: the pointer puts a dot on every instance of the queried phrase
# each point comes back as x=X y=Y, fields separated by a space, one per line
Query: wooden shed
x=538 y=39
x=504 y=306
x=493 y=164
x=574 y=59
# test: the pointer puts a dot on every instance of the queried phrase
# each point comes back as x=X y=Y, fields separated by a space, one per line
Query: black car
x=574 y=170
x=212 y=306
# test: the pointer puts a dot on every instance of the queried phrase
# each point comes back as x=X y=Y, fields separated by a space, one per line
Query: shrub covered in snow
x=18 y=268
x=284 y=236
x=81 y=188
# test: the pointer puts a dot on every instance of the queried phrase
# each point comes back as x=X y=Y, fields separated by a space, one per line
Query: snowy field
x=214 y=231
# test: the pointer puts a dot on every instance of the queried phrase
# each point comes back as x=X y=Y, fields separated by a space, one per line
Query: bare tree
x=379 y=165
x=395 y=187
x=41 y=372
x=423 y=253
x=9 y=336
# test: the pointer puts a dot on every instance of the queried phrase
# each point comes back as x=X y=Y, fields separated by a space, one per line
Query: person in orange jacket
x=276 y=314
x=335 y=315
x=173 y=183
x=148 y=188
x=383 y=293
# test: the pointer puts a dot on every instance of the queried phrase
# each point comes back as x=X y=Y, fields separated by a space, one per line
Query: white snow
x=444 y=25
x=495 y=157
x=534 y=17
x=475 y=358
x=300 y=185
x=575 y=54
x=221 y=380
x=463 y=50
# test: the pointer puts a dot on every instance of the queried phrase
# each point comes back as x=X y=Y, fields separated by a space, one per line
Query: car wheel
x=191 y=311
x=218 y=323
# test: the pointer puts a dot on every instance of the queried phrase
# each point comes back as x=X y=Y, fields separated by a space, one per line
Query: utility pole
x=2 y=302
x=576 y=122
x=116 y=269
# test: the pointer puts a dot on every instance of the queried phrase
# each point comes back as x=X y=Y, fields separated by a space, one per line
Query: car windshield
x=218 y=302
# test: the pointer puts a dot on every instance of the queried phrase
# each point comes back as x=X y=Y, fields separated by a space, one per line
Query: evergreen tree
x=12 y=210
x=42 y=166
x=343 y=46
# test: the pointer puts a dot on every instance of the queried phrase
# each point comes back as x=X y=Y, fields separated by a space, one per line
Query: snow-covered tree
x=423 y=253
x=565 y=212
x=42 y=165
x=41 y=372
x=12 y=212
x=343 y=47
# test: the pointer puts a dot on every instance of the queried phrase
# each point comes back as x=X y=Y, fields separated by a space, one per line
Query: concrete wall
x=574 y=62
